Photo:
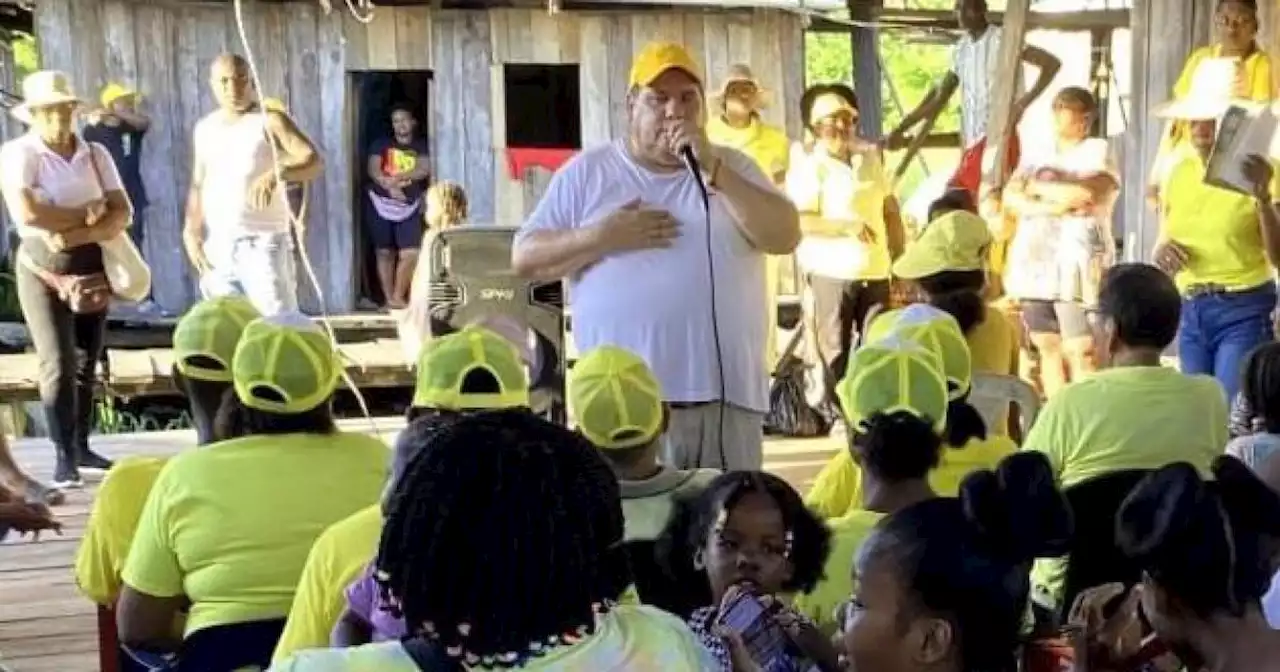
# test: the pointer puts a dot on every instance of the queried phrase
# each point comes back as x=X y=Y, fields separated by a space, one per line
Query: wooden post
x=866 y=70
x=1004 y=93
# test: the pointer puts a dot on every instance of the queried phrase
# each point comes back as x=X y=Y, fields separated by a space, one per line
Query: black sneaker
x=91 y=461
x=66 y=476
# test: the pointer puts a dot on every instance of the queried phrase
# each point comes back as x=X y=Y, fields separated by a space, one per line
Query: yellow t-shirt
x=847 y=534
x=1220 y=228
x=112 y=522
x=627 y=638
x=1132 y=417
x=230 y=525
x=837 y=489
x=766 y=145
x=336 y=560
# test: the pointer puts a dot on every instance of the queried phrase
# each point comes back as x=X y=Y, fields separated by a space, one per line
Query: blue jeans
x=259 y=267
x=1218 y=330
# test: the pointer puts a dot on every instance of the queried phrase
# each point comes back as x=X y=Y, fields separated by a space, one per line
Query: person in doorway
x=1063 y=242
x=1235 y=25
x=1221 y=246
x=975 y=64
x=65 y=197
x=852 y=231
x=740 y=126
x=653 y=270
x=237 y=227
x=120 y=127
x=399 y=168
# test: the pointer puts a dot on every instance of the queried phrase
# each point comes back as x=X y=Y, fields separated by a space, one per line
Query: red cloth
x=521 y=159
x=969 y=174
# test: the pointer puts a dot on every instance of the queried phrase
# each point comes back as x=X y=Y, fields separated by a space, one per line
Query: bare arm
x=135 y=120
x=554 y=254
x=52 y=218
x=1021 y=201
x=764 y=216
x=301 y=161
x=1090 y=190
x=373 y=166
x=895 y=232
x=149 y=623
x=193 y=219
x=1269 y=218
x=932 y=105
x=1048 y=66
x=116 y=215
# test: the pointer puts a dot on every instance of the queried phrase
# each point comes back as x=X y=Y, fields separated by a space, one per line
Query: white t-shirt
x=236 y=152
x=854 y=191
x=27 y=162
x=976 y=63
x=657 y=303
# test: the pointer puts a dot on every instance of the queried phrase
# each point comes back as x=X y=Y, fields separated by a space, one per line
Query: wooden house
x=483 y=76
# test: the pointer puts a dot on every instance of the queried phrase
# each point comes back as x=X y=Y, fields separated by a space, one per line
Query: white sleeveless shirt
x=236 y=152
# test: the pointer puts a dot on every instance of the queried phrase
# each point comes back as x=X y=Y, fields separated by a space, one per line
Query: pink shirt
x=27 y=162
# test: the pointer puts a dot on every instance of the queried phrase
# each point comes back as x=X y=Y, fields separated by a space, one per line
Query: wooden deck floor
x=47 y=626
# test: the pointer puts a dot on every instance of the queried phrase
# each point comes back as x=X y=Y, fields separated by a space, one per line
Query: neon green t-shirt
x=230 y=525
x=847 y=534
x=628 y=638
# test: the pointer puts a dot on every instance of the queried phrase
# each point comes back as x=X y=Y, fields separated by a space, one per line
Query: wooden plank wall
x=165 y=47
x=9 y=128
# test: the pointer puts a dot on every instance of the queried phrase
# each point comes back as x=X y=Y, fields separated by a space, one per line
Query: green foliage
x=109 y=418
x=25 y=55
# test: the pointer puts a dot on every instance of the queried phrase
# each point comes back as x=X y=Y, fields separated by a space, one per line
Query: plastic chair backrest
x=992 y=393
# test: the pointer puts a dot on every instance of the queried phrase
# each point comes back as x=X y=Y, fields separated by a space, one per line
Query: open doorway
x=374 y=94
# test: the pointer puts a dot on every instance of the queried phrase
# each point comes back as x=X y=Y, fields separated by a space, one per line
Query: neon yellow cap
x=446 y=362
x=935 y=329
x=205 y=339
x=890 y=376
x=615 y=399
x=285 y=364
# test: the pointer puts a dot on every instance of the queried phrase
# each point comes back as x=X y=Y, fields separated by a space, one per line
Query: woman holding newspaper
x=1219 y=232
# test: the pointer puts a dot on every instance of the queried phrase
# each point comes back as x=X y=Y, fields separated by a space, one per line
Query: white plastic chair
x=992 y=393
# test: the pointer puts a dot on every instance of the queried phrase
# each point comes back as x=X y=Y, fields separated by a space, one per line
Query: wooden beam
x=1003 y=95
x=942 y=20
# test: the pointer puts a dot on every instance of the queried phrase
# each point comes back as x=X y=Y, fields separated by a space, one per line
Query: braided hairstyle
x=502 y=537
x=1207 y=544
x=896 y=447
x=966 y=560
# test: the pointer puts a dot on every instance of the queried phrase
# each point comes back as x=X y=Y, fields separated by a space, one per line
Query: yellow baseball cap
x=890 y=376
x=956 y=241
x=936 y=330
x=274 y=105
x=614 y=399
x=285 y=364
x=113 y=92
x=447 y=361
x=658 y=57
x=828 y=104
x=205 y=339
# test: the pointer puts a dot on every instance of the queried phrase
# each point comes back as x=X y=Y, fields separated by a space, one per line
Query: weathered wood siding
x=9 y=128
x=166 y=47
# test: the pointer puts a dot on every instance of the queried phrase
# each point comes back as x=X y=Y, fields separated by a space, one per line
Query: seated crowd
x=1123 y=532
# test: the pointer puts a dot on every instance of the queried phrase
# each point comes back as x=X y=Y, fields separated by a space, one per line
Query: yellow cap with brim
x=205 y=339
x=614 y=399
x=285 y=364
x=936 y=330
x=445 y=364
x=891 y=376
x=113 y=92
x=956 y=241
x=274 y=105
x=828 y=105
x=658 y=57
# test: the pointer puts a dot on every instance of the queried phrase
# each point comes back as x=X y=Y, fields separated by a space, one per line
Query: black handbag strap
x=429 y=656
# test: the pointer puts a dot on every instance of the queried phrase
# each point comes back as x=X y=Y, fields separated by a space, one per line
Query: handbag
x=84 y=294
x=127 y=273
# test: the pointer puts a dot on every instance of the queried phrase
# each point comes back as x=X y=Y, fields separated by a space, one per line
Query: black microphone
x=691 y=162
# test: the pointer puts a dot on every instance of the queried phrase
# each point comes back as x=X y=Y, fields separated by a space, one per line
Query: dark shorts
x=385 y=234
x=1068 y=319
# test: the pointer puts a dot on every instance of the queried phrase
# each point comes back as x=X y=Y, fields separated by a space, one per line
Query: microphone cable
x=691 y=162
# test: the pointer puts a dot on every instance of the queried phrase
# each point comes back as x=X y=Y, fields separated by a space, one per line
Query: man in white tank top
x=237 y=221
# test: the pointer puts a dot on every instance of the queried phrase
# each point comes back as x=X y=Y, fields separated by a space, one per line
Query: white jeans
x=259 y=267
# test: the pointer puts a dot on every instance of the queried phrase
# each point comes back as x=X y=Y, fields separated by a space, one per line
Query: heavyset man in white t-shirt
x=237 y=221
x=624 y=222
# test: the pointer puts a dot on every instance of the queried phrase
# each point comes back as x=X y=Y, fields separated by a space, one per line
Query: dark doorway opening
x=374 y=94
x=543 y=104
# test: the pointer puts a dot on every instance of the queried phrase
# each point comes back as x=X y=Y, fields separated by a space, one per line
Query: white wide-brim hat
x=1211 y=94
x=741 y=72
x=42 y=89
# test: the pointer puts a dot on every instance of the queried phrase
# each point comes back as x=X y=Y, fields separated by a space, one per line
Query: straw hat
x=42 y=89
x=741 y=73
x=1212 y=92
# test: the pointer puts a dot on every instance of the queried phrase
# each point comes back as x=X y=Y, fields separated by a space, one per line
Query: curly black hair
x=967 y=559
x=1260 y=385
x=508 y=524
x=1209 y=543
x=897 y=447
x=694 y=514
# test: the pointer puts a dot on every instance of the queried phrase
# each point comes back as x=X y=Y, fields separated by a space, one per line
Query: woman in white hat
x=1221 y=246
x=850 y=223
x=64 y=196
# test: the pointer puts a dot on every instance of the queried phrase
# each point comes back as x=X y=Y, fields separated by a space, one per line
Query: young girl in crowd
x=942 y=584
x=895 y=399
x=1260 y=387
x=749 y=532
x=1208 y=550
